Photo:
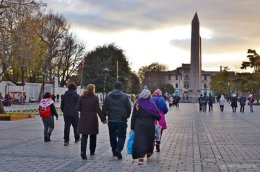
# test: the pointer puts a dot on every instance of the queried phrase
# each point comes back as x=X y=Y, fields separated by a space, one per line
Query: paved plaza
x=194 y=142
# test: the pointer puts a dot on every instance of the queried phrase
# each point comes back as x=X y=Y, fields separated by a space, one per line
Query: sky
x=160 y=30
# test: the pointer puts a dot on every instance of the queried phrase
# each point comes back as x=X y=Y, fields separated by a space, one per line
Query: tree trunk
x=2 y=110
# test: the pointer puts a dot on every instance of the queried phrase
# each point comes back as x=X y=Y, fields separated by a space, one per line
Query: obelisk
x=195 y=65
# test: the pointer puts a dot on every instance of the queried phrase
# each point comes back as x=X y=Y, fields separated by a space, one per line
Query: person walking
x=162 y=106
x=117 y=107
x=70 y=114
x=210 y=102
x=204 y=102
x=251 y=102
x=88 y=106
x=242 y=101
x=222 y=101
x=48 y=122
x=200 y=100
x=234 y=103
x=145 y=112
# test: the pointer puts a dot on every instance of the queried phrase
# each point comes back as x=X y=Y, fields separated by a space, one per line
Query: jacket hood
x=70 y=92
x=116 y=94
x=46 y=102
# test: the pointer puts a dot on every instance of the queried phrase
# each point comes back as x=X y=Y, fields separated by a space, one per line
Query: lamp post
x=23 y=71
x=105 y=80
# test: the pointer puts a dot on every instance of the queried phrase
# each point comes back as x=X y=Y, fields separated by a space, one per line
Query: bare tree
x=70 y=57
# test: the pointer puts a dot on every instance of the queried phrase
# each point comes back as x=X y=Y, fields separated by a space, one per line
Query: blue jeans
x=117 y=134
x=251 y=107
x=48 y=126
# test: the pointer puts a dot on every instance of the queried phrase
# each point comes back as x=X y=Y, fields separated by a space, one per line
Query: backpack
x=45 y=112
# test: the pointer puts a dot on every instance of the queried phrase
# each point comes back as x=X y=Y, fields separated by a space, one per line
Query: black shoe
x=157 y=147
x=118 y=155
x=149 y=155
x=92 y=153
x=66 y=143
x=77 y=140
x=47 y=139
x=113 y=152
x=83 y=156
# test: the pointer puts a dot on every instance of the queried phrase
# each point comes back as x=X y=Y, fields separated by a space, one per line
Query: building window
x=176 y=85
x=186 y=77
x=176 y=77
x=169 y=77
x=205 y=77
x=205 y=86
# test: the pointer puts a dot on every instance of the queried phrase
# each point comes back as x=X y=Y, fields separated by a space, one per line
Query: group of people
x=205 y=100
x=82 y=112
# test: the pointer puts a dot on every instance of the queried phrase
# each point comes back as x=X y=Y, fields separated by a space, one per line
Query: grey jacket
x=117 y=106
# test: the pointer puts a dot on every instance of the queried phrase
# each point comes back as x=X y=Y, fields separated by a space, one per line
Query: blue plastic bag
x=130 y=142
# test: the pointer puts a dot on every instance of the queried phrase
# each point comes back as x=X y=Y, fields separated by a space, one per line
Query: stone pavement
x=194 y=142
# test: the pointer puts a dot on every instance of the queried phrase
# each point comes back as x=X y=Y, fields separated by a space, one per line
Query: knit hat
x=145 y=94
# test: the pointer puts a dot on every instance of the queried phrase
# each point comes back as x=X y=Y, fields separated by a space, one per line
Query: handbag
x=157 y=132
x=130 y=142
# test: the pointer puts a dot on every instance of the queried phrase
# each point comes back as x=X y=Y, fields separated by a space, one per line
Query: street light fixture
x=105 y=80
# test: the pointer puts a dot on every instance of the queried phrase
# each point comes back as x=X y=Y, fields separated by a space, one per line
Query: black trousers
x=242 y=108
x=70 y=120
x=92 y=145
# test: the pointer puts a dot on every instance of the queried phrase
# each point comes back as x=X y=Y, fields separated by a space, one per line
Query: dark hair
x=72 y=86
x=47 y=95
x=117 y=85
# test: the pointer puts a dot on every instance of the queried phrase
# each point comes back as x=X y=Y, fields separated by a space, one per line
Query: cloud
x=228 y=28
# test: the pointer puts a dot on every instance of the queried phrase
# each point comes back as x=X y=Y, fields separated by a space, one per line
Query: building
x=189 y=80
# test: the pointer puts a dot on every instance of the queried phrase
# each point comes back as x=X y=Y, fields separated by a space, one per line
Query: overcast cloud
x=156 y=29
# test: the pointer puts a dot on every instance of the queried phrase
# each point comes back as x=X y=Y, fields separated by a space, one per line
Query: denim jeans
x=48 y=126
x=117 y=134
x=251 y=107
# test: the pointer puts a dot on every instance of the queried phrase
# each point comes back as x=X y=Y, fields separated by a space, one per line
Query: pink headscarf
x=157 y=92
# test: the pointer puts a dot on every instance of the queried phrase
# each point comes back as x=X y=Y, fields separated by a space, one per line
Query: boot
x=157 y=147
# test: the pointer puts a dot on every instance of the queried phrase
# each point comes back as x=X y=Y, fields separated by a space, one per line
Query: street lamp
x=105 y=80
x=23 y=71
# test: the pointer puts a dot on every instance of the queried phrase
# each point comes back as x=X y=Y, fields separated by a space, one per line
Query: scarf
x=46 y=102
x=148 y=105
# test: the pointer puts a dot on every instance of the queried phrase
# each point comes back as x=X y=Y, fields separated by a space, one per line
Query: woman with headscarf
x=222 y=101
x=234 y=103
x=88 y=106
x=145 y=112
x=251 y=102
x=162 y=106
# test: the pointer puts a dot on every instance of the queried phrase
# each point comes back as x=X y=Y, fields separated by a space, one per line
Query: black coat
x=69 y=102
x=89 y=108
x=142 y=123
x=234 y=102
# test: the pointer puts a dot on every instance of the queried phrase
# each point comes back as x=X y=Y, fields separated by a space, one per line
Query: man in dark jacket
x=117 y=107
x=71 y=116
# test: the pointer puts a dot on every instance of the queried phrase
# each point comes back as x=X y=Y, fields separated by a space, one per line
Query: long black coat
x=88 y=106
x=234 y=102
x=142 y=122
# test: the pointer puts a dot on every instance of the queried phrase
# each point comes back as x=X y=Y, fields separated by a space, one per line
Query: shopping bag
x=130 y=142
x=158 y=129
